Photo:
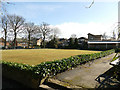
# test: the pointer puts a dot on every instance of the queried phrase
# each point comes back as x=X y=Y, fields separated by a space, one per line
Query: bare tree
x=104 y=36
x=3 y=5
x=90 y=4
x=16 y=23
x=30 y=29
x=55 y=32
x=53 y=43
x=113 y=35
x=117 y=29
x=73 y=36
x=118 y=34
x=45 y=31
x=5 y=23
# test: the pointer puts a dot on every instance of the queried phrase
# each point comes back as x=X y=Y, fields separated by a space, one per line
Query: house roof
x=83 y=38
x=2 y=39
x=20 y=40
x=60 y=39
x=94 y=35
x=38 y=38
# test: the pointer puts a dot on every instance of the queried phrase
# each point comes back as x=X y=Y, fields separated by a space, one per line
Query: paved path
x=85 y=75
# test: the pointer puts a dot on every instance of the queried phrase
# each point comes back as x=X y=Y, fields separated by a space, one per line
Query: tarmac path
x=84 y=75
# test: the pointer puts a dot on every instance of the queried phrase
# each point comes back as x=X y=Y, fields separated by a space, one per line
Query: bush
x=33 y=75
x=22 y=73
x=117 y=50
x=52 y=68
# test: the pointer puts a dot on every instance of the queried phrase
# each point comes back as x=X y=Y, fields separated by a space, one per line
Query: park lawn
x=36 y=56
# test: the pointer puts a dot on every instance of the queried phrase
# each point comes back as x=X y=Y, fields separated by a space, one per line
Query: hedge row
x=117 y=50
x=20 y=72
x=33 y=75
x=52 y=68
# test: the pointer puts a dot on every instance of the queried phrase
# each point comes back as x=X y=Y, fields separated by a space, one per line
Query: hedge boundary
x=33 y=76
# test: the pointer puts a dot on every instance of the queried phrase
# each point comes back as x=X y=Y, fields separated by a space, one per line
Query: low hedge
x=32 y=76
x=21 y=73
x=52 y=68
x=117 y=50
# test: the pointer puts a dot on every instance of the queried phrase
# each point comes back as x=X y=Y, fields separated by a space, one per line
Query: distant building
x=62 y=42
x=24 y=42
x=92 y=37
x=82 y=40
x=2 y=40
x=96 y=42
x=39 y=41
x=21 y=42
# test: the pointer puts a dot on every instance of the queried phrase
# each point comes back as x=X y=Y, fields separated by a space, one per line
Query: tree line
x=14 y=26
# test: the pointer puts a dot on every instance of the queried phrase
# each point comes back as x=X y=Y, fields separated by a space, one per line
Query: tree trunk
x=15 y=43
x=29 y=40
x=5 y=39
x=44 y=42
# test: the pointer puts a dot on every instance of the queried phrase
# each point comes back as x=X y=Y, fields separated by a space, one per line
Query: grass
x=36 y=56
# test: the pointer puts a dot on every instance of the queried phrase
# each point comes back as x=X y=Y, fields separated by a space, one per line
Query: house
x=82 y=41
x=62 y=42
x=39 y=41
x=96 y=42
x=21 y=42
x=2 y=40
x=92 y=37
x=24 y=42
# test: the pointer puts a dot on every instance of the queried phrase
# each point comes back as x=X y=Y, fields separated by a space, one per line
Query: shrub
x=52 y=68
x=117 y=50
x=22 y=73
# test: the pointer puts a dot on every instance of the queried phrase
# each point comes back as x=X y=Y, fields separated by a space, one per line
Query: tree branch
x=90 y=4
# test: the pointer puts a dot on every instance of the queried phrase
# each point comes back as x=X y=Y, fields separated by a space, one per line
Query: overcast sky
x=70 y=17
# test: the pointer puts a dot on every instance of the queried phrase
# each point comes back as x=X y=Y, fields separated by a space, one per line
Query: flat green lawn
x=36 y=56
